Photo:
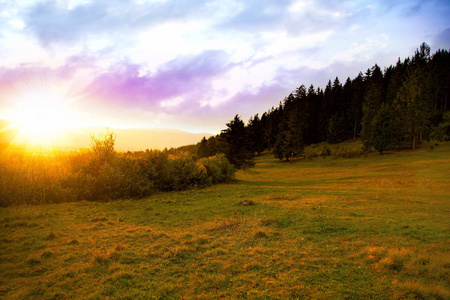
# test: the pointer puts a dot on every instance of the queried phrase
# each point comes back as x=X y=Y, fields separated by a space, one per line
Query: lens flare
x=41 y=114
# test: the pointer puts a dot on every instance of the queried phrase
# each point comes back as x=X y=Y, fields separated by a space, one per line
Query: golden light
x=41 y=114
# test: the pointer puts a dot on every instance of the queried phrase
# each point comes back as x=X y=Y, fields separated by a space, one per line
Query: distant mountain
x=139 y=138
x=126 y=139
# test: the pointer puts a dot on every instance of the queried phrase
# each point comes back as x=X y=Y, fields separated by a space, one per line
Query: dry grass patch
x=412 y=289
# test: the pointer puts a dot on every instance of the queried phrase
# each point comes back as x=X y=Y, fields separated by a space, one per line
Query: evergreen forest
x=394 y=108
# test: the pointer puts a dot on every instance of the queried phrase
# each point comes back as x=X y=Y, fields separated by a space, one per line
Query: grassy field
x=322 y=228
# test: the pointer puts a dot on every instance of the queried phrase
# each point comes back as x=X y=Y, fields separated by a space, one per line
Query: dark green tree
x=372 y=101
x=442 y=131
x=355 y=110
x=255 y=134
x=414 y=106
x=383 y=129
x=213 y=148
x=293 y=127
x=237 y=146
x=203 y=150
x=336 y=128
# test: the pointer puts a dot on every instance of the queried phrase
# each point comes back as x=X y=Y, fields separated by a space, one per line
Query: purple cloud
x=182 y=77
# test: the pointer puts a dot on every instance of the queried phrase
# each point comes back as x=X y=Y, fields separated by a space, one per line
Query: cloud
x=57 y=22
x=185 y=76
x=257 y=15
x=443 y=39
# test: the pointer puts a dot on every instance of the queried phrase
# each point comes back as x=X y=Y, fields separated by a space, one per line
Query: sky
x=192 y=64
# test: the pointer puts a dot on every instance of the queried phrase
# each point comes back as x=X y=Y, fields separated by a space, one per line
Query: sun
x=42 y=115
x=42 y=125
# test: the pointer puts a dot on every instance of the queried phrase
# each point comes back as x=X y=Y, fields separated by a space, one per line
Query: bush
x=218 y=168
x=102 y=174
x=347 y=153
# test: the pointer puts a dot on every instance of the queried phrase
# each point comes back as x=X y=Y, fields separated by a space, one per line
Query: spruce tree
x=372 y=101
x=238 y=149
x=383 y=129
x=202 y=150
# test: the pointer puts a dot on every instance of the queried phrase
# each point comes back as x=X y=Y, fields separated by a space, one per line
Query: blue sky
x=194 y=64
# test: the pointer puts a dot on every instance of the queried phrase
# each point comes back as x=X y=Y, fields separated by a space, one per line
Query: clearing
x=324 y=228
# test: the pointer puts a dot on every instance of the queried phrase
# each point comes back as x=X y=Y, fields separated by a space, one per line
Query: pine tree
x=383 y=129
x=255 y=134
x=358 y=90
x=372 y=101
x=203 y=150
x=237 y=147
x=414 y=105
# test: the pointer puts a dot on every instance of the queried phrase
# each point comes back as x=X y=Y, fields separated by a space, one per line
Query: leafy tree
x=103 y=146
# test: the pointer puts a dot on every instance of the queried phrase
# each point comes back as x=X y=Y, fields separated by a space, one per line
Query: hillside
x=139 y=139
x=322 y=228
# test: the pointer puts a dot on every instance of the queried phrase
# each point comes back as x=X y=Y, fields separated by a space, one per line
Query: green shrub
x=218 y=168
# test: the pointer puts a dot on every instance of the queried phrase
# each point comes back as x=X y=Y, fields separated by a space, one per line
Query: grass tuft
x=226 y=225
x=99 y=219
x=50 y=236
x=268 y=221
x=396 y=259
x=412 y=289
x=101 y=257
x=73 y=242
x=278 y=197
x=261 y=235
x=47 y=254
x=33 y=261
x=247 y=202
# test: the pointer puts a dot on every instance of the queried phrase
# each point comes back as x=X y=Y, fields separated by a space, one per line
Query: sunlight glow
x=41 y=115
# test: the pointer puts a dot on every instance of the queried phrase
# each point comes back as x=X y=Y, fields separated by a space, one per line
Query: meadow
x=331 y=227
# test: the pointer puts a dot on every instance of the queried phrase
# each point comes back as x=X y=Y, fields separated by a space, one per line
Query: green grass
x=370 y=226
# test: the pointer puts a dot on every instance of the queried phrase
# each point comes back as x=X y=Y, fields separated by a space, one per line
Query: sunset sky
x=194 y=64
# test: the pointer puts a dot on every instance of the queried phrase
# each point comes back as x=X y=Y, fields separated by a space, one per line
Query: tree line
x=396 y=107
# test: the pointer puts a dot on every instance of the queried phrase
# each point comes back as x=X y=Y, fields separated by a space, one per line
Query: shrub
x=101 y=174
x=346 y=153
x=218 y=168
x=326 y=151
